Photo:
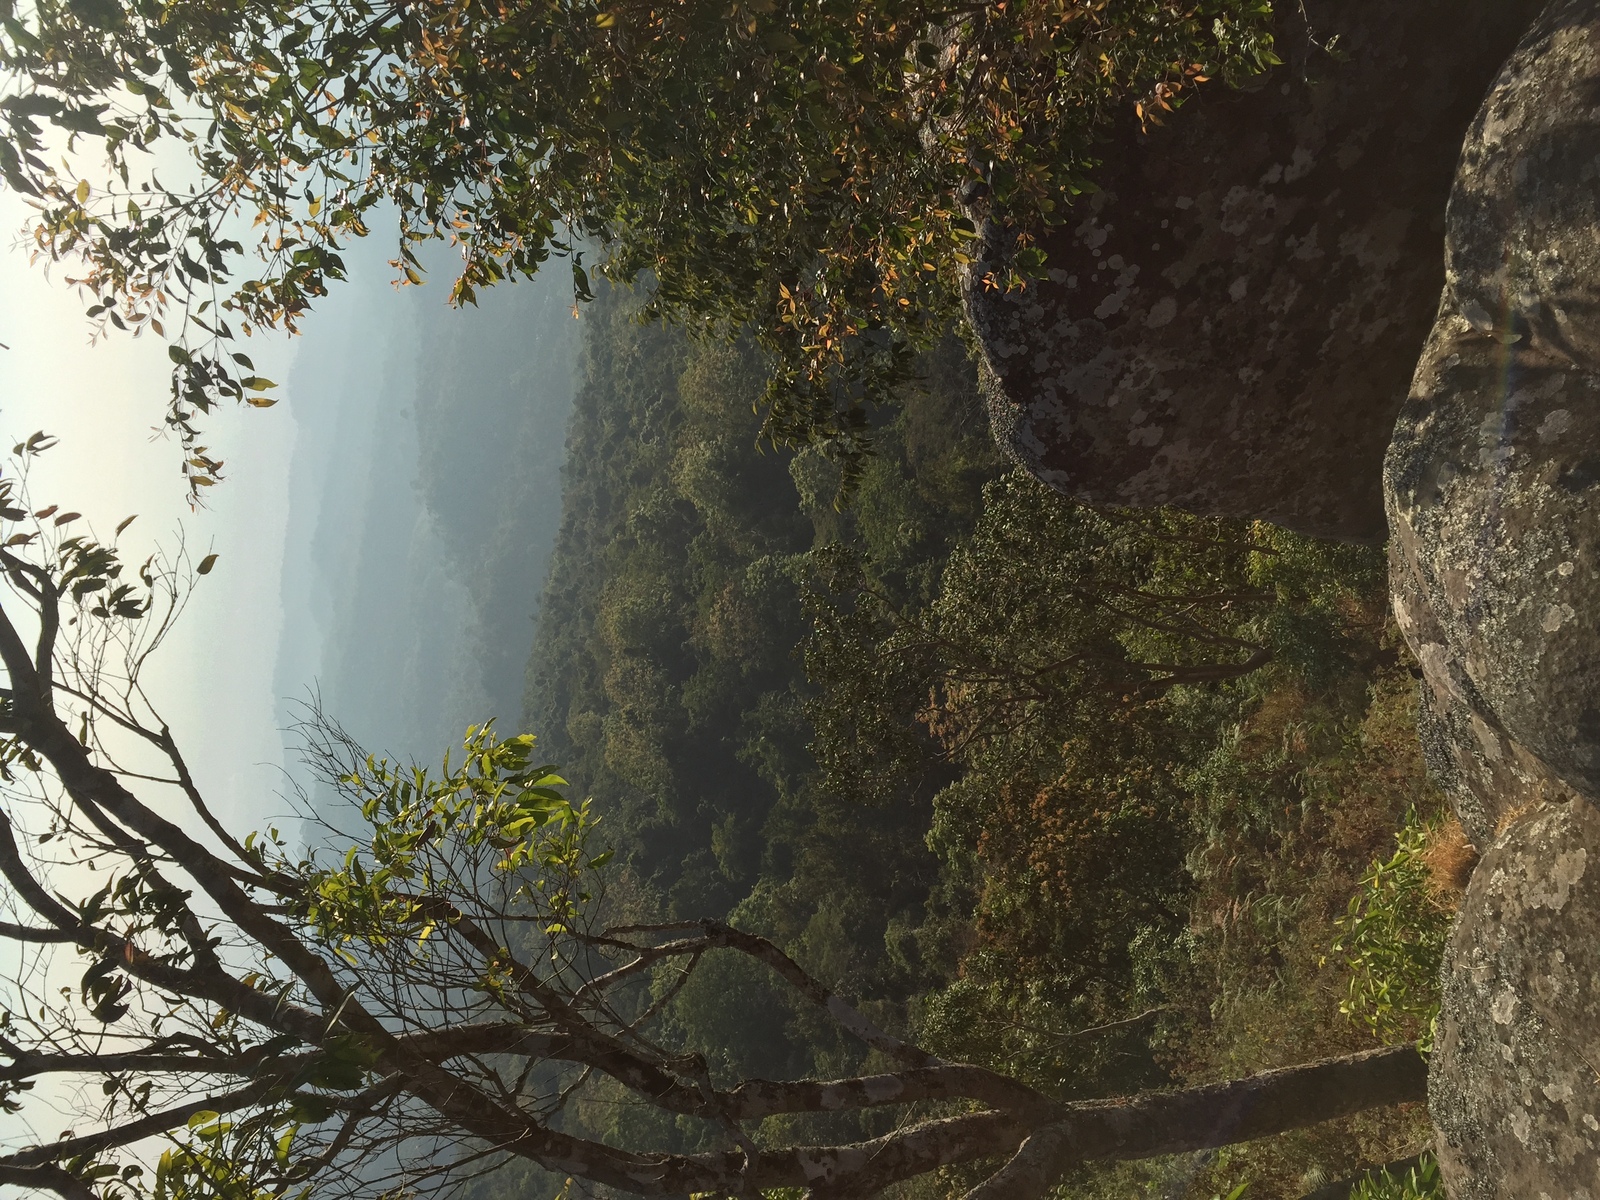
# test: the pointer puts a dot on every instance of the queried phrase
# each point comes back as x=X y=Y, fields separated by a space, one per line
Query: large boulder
x=1492 y=482
x=1493 y=476
x=1231 y=321
x=1514 y=1085
x=1492 y=485
x=1523 y=245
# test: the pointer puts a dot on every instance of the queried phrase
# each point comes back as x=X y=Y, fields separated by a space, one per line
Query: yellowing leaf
x=206 y=564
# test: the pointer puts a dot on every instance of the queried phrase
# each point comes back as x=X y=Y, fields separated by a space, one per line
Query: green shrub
x=1392 y=937
x=1420 y=1182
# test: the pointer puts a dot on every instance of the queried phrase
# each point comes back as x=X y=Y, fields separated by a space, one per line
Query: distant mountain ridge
x=425 y=501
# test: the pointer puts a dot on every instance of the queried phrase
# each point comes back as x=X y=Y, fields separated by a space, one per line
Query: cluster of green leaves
x=219 y=1156
x=1392 y=939
x=795 y=165
x=1419 y=1182
x=490 y=837
x=1050 y=611
x=496 y=800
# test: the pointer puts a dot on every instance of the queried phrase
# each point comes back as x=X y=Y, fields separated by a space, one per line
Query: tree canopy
x=1091 y=886
x=808 y=167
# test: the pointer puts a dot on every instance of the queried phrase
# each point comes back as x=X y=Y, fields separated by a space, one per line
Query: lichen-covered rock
x=1488 y=777
x=1231 y=322
x=1523 y=233
x=1513 y=1085
x=1492 y=481
x=1493 y=477
x=1492 y=486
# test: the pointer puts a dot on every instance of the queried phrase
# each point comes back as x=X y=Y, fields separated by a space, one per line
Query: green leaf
x=206 y=564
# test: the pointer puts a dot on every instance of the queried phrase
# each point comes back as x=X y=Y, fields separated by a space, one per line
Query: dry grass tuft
x=1450 y=859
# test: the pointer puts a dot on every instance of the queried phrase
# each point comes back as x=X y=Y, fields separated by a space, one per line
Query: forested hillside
x=1080 y=794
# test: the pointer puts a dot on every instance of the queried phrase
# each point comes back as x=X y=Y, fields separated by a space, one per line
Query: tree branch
x=133 y=1131
x=1209 y=1116
x=49 y=1178
x=758 y=1098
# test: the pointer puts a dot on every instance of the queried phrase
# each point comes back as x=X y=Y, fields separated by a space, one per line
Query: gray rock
x=1231 y=322
x=1475 y=764
x=1492 y=481
x=1523 y=234
x=1491 y=486
x=1513 y=1086
x=1493 y=476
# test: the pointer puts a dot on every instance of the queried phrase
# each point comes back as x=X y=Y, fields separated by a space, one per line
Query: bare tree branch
x=49 y=1178
x=134 y=1131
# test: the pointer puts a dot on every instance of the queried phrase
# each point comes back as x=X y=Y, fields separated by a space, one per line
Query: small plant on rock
x=1393 y=937
x=1419 y=1182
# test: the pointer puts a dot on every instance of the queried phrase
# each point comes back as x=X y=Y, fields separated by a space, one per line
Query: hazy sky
x=214 y=679
x=218 y=680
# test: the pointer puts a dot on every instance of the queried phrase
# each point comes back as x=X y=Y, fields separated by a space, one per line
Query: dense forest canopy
x=467 y=986
x=1095 y=798
x=805 y=168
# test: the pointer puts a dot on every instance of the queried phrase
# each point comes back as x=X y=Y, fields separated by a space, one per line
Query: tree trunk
x=1203 y=1118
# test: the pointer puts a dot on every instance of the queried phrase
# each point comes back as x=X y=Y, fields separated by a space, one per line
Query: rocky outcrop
x=1514 y=1087
x=1231 y=322
x=1493 y=567
x=1492 y=483
x=1493 y=492
x=1232 y=325
x=1524 y=223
